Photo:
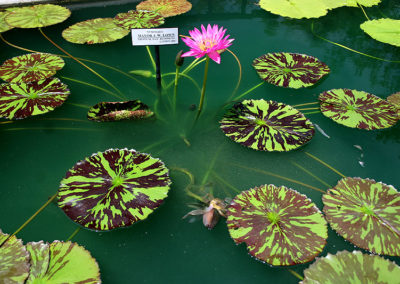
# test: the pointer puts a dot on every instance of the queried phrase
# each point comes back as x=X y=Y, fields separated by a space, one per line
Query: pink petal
x=215 y=56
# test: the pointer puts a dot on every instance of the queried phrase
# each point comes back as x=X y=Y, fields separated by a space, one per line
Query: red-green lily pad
x=21 y=100
x=290 y=70
x=351 y=267
x=93 y=31
x=112 y=189
x=30 y=67
x=166 y=8
x=358 y=109
x=3 y=25
x=366 y=213
x=37 y=16
x=39 y=258
x=395 y=100
x=267 y=125
x=114 y=111
x=139 y=19
x=279 y=225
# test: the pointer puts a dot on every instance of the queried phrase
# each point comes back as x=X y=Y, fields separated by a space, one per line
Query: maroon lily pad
x=114 y=111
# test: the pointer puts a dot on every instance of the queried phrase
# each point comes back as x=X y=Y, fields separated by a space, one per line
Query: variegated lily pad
x=358 y=109
x=384 y=30
x=3 y=25
x=366 y=213
x=21 y=100
x=112 y=189
x=395 y=100
x=166 y=8
x=139 y=19
x=267 y=126
x=98 y=30
x=351 y=267
x=30 y=67
x=114 y=111
x=290 y=70
x=279 y=225
x=39 y=258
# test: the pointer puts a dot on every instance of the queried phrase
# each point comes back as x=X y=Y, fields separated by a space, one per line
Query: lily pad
x=357 y=109
x=384 y=30
x=395 y=100
x=112 y=189
x=21 y=100
x=290 y=70
x=114 y=111
x=166 y=8
x=296 y=9
x=30 y=67
x=279 y=225
x=37 y=16
x=3 y=25
x=331 y=4
x=366 y=213
x=267 y=125
x=139 y=19
x=93 y=31
x=351 y=267
x=39 y=258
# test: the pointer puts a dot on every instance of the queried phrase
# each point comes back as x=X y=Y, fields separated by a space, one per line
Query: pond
x=38 y=151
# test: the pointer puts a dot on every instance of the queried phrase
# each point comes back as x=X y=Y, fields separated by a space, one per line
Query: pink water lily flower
x=210 y=42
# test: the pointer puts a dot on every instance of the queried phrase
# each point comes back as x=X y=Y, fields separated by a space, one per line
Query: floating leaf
x=20 y=100
x=40 y=257
x=139 y=20
x=366 y=213
x=279 y=225
x=3 y=25
x=350 y=3
x=351 y=267
x=112 y=189
x=384 y=30
x=166 y=8
x=290 y=70
x=395 y=100
x=295 y=8
x=37 y=16
x=267 y=126
x=98 y=30
x=357 y=109
x=30 y=67
x=114 y=111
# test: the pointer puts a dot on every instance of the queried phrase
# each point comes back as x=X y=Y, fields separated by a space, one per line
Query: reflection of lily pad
x=384 y=30
x=3 y=25
x=20 y=100
x=279 y=225
x=290 y=70
x=366 y=213
x=357 y=109
x=139 y=20
x=351 y=267
x=267 y=125
x=112 y=189
x=30 y=67
x=295 y=8
x=94 y=31
x=166 y=8
x=113 y=111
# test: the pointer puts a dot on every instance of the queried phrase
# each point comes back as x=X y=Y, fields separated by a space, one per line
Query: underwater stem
x=73 y=234
x=224 y=182
x=203 y=89
x=191 y=183
x=305 y=104
x=310 y=108
x=185 y=76
x=240 y=73
x=153 y=63
x=313 y=112
x=362 y=9
x=311 y=174
x=325 y=164
x=248 y=91
x=294 y=273
x=175 y=88
x=91 y=85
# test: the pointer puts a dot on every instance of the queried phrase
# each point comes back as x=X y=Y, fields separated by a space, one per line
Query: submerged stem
x=313 y=112
x=310 y=108
x=362 y=9
x=203 y=89
x=312 y=175
x=73 y=234
x=175 y=88
x=295 y=274
x=153 y=63
x=92 y=85
x=325 y=164
x=305 y=104
x=240 y=73
x=224 y=182
x=191 y=183
x=185 y=76
x=248 y=91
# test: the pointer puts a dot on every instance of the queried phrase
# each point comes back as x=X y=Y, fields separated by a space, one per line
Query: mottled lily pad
x=21 y=100
x=166 y=8
x=290 y=70
x=112 y=189
x=93 y=31
x=351 y=267
x=267 y=125
x=30 y=67
x=366 y=213
x=139 y=20
x=3 y=25
x=114 y=111
x=279 y=225
x=384 y=30
x=295 y=8
x=357 y=109
x=39 y=258
x=395 y=100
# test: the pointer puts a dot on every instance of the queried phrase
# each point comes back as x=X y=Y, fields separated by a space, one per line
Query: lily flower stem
x=175 y=88
x=240 y=73
x=73 y=234
x=203 y=89
x=153 y=63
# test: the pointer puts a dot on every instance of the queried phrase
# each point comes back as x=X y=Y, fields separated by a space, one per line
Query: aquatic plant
x=166 y=8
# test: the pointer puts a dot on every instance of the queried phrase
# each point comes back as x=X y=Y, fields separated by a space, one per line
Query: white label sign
x=154 y=36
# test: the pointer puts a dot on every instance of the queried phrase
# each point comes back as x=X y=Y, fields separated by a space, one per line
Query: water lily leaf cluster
x=383 y=30
x=166 y=8
x=114 y=111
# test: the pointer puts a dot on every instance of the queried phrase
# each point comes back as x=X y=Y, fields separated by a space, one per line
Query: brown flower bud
x=179 y=59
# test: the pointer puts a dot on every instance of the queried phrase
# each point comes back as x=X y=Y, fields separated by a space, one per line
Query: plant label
x=154 y=36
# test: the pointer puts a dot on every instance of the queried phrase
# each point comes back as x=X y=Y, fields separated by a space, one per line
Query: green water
x=37 y=152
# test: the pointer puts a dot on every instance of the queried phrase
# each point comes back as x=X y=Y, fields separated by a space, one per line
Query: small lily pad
x=357 y=109
x=166 y=8
x=114 y=111
x=384 y=30
x=21 y=100
x=3 y=25
x=366 y=213
x=112 y=189
x=279 y=225
x=139 y=20
x=290 y=70
x=296 y=9
x=30 y=67
x=267 y=126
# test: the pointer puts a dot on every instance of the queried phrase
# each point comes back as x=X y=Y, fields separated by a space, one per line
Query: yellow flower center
x=206 y=44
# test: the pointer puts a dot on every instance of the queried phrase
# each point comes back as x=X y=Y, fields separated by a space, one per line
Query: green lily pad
x=3 y=25
x=290 y=70
x=166 y=8
x=139 y=20
x=37 y=16
x=296 y=9
x=114 y=111
x=39 y=258
x=384 y=30
x=21 y=100
x=30 y=67
x=93 y=31
x=366 y=213
x=279 y=225
x=357 y=109
x=351 y=267
x=331 y=4
x=112 y=189
x=267 y=126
